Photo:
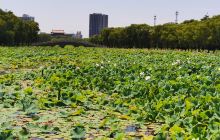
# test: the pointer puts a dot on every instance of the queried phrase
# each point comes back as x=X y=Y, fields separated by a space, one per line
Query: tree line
x=15 y=31
x=201 y=34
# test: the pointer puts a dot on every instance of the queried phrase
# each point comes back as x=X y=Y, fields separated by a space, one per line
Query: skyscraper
x=96 y=23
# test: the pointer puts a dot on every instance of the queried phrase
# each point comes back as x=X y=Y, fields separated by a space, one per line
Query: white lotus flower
x=77 y=68
x=176 y=63
x=142 y=74
x=147 y=78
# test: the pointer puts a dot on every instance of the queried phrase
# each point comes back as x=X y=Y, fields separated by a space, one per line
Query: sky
x=73 y=15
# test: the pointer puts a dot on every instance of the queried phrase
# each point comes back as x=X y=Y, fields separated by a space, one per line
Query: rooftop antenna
x=177 y=14
x=155 y=20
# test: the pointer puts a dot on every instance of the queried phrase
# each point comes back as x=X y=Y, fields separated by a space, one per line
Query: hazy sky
x=73 y=15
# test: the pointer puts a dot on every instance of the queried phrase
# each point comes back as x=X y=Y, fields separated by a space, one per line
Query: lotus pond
x=99 y=93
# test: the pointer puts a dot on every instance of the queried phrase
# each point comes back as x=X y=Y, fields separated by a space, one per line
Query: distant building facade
x=78 y=35
x=57 y=33
x=97 y=22
x=26 y=17
x=61 y=33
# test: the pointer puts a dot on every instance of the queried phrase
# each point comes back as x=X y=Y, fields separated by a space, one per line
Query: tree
x=14 y=31
x=191 y=34
x=44 y=37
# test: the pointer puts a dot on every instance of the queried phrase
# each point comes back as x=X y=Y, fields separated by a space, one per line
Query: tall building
x=78 y=35
x=96 y=23
x=26 y=17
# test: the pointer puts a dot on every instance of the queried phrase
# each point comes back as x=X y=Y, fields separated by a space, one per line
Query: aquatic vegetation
x=101 y=93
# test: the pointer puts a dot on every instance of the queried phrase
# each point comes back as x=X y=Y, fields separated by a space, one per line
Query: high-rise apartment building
x=97 y=22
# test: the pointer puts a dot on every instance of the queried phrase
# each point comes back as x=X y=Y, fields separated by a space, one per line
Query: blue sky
x=73 y=15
